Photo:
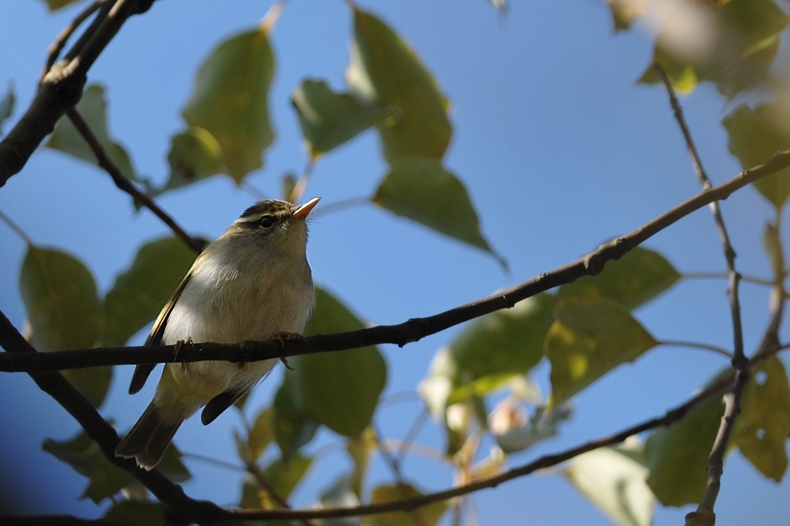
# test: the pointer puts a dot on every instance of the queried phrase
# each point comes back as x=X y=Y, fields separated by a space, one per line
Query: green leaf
x=425 y=516
x=93 y=108
x=135 y=512
x=588 y=339
x=496 y=347
x=766 y=420
x=7 y=106
x=64 y=312
x=293 y=428
x=754 y=136
x=633 y=280
x=194 y=155
x=681 y=75
x=284 y=476
x=614 y=480
x=262 y=433
x=54 y=5
x=230 y=100
x=423 y=191
x=677 y=457
x=385 y=71
x=329 y=119
x=140 y=292
x=744 y=44
x=341 y=389
x=85 y=457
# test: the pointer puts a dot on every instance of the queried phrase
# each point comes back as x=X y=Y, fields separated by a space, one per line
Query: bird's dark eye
x=267 y=221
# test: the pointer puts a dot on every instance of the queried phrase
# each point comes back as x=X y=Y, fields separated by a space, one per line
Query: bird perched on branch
x=252 y=283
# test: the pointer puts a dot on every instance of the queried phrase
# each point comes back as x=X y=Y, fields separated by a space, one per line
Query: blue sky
x=559 y=147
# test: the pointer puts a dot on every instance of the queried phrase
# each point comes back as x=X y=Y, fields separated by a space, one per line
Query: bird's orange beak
x=303 y=211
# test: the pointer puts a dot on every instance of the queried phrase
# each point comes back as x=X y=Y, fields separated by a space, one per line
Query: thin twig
x=697 y=345
x=56 y=47
x=732 y=400
x=16 y=228
x=404 y=333
x=124 y=184
x=723 y=275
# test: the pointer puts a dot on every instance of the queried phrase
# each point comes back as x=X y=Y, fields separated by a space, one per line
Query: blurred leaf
x=740 y=51
x=615 y=482
x=64 y=312
x=262 y=433
x=633 y=280
x=626 y=12
x=422 y=190
x=194 y=155
x=360 y=448
x=496 y=347
x=54 y=5
x=588 y=339
x=7 y=106
x=681 y=75
x=329 y=119
x=135 y=512
x=385 y=71
x=293 y=428
x=284 y=476
x=340 y=495
x=93 y=108
x=140 y=292
x=754 y=136
x=230 y=100
x=766 y=420
x=677 y=456
x=515 y=432
x=425 y=516
x=339 y=390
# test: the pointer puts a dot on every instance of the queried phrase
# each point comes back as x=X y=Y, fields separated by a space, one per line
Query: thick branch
x=409 y=331
x=61 y=88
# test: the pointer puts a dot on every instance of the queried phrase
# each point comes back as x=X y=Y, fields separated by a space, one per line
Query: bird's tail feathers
x=148 y=439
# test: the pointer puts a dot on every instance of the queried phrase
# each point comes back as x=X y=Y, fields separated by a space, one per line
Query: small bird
x=252 y=283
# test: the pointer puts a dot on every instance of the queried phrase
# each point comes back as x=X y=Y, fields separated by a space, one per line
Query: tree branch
x=61 y=87
x=123 y=183
x=401 y=334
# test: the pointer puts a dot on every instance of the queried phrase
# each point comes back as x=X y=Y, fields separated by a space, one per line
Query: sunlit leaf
x=588 y=339
x=64 y=312
x=496 y=347
x=329 y=119
x=754 y=136
x=54 y=5
x=614 y=480
x=681 y=75
x=633 y=280
x=140 y=292
x=425 y=516
x=134 y=512
x=93 y=108
x=626 y=12
x=230 y=100
x=7 y=106
x=339 y=390
x=293 y=428
x=385 y=71
x=194 y=155
x=766 y=420
x=424 y=191
x=262 y=433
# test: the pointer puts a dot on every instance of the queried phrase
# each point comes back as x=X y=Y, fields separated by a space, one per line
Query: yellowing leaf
x=766 y=420
x=425 y=516
x=340 y=390
x=385 y=71
x=140 y=292
x=330 y=119
x=588 y=339
x=633 y=280
x=262 y=433
x=422 y=190
x=754 y=136
x=93 y=108
x=614 y=480
x=230 y=100
x=64 y=312
x=625 y=12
